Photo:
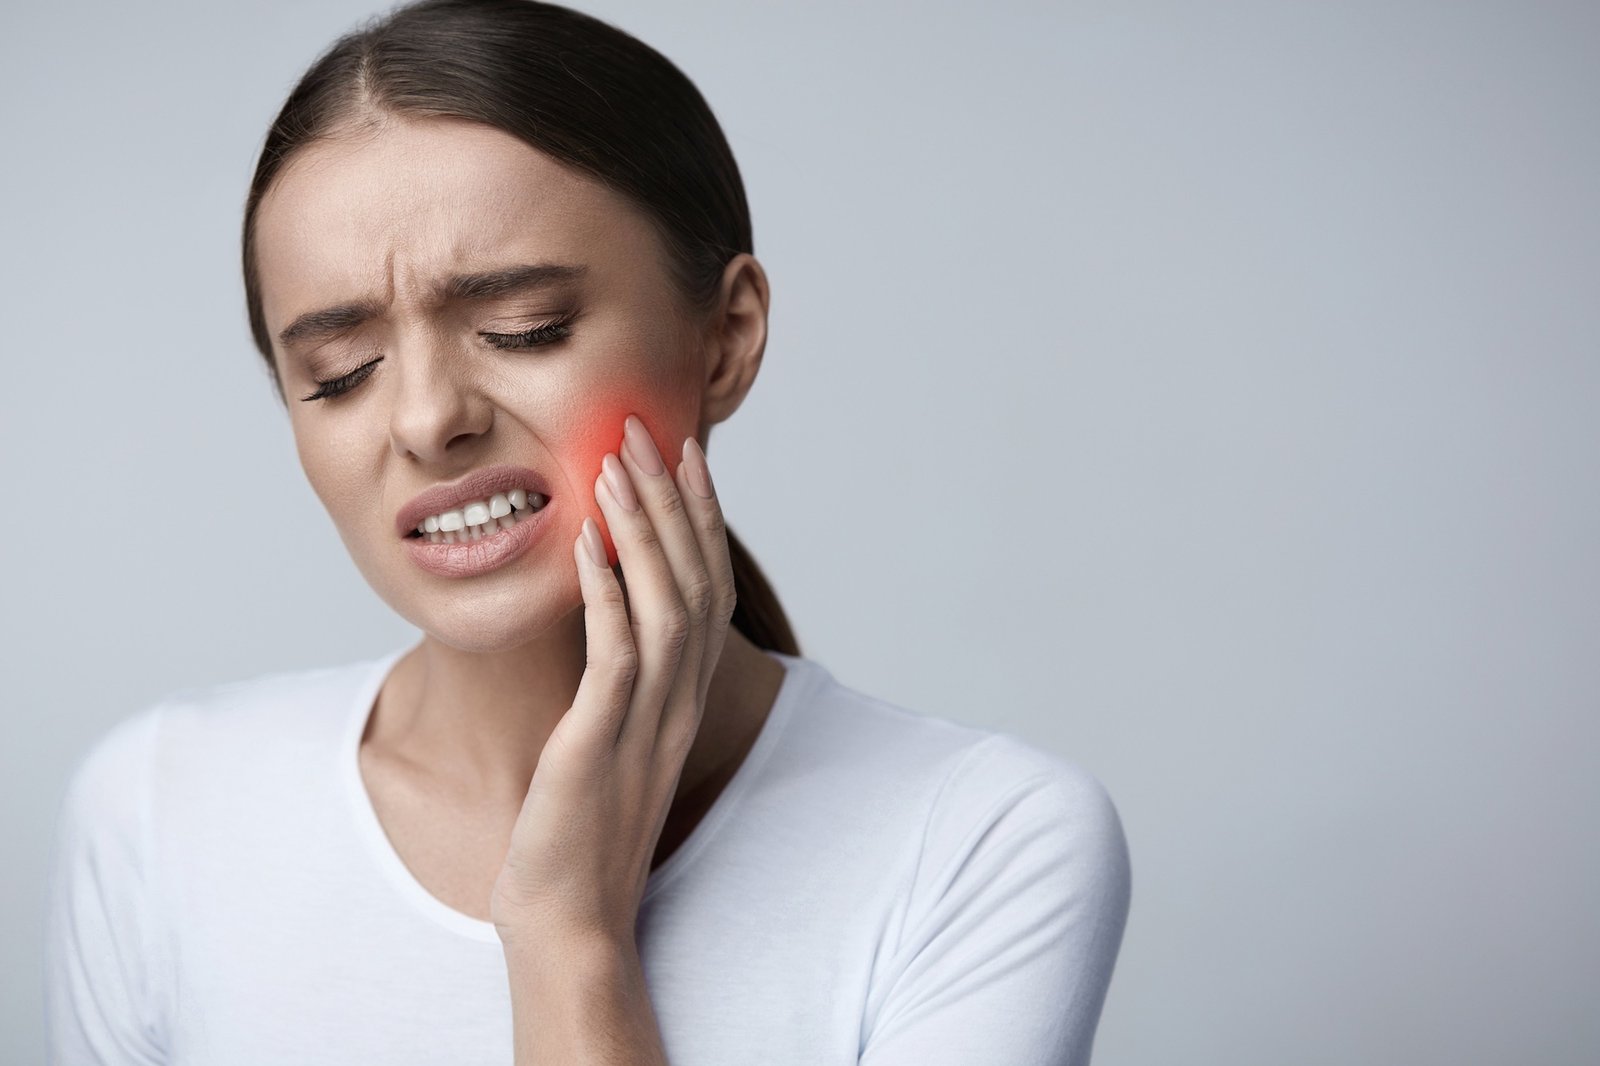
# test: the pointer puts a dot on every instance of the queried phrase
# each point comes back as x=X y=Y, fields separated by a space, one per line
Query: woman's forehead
x=418 y=201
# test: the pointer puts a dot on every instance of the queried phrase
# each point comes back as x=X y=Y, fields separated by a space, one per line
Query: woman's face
x=372 y=225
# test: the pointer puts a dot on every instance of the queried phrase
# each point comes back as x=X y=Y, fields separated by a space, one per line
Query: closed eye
x=533 y=338
x=548 y=333
x=343 y=383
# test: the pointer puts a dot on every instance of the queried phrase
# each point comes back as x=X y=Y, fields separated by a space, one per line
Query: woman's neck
x=476 y=723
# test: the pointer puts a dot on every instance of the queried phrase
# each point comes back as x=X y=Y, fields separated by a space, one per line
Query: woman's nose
x=432 y=404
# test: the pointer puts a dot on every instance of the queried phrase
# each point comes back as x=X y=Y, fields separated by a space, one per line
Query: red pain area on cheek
x=604 y=433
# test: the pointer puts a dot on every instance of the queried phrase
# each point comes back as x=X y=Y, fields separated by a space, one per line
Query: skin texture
x=490 y=814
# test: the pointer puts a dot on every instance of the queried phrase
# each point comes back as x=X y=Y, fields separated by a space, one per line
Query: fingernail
x=617 y=478
x=592 y=541
x=694 y=461
x=641 y=447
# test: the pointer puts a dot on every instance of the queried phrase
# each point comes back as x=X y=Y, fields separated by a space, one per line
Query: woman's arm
x=100 y=970
x=1015 y=921
x=581 y=1004
x=568 y=896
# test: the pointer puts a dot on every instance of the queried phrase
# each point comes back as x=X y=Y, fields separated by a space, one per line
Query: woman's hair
x=574 y=87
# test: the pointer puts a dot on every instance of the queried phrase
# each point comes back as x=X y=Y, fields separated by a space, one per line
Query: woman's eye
x=532 y=338
x=343 y=383
x=548 y=333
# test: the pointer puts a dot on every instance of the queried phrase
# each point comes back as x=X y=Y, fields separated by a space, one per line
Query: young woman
x=498 y=261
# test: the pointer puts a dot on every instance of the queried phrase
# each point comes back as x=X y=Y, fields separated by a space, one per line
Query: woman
x=498 y=261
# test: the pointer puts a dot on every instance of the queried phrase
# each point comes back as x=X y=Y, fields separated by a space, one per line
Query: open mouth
x=480 y=519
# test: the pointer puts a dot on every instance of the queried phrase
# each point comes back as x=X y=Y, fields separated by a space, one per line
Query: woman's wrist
x=580 y=999
x=541 y=951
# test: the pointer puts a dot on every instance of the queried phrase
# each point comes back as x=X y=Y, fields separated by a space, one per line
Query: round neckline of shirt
x=799 y=677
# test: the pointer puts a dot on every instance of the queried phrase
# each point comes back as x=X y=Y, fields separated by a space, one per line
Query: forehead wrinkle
x=451 y=288
x=458 y=209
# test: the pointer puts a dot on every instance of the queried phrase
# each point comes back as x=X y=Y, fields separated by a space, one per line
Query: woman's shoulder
x=839 y=714
x=265 y=692
x=211 y=723
x=960 y=774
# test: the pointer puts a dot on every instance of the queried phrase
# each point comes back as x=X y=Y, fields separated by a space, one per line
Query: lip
x=467 y=558
x=480 y=484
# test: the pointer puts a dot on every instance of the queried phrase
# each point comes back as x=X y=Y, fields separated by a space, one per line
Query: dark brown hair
x=573 y=87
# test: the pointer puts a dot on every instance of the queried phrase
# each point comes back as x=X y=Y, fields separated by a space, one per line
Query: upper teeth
x=481 y=512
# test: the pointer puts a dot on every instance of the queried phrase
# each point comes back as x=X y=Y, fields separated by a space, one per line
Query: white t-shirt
x=874 y=886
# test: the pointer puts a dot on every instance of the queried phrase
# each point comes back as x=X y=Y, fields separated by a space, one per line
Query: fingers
x=605 y=690
x=665 y=575
x=663 y=504
x=679 y=551
x=705 y=515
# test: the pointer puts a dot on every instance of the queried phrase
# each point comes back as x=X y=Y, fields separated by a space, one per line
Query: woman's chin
x=485 y=625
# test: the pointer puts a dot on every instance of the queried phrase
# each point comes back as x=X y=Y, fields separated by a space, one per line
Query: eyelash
x=548 y=333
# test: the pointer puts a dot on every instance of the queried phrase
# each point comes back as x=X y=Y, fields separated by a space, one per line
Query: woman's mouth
x=479 y=519
x=485 y=541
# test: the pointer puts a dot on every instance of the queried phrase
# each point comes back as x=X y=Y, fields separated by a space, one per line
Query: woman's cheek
x=602 y=432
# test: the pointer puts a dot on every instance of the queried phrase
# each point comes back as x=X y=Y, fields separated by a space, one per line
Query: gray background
x=1204 y=392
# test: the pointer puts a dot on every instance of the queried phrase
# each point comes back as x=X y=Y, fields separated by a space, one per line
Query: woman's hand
x=583 y=843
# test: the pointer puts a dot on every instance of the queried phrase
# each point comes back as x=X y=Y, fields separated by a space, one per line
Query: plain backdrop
x=1205 y=392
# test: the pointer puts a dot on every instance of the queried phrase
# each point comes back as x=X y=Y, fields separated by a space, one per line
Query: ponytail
x=758 y=615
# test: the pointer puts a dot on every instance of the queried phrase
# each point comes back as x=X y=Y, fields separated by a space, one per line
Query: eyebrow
x=330 y=321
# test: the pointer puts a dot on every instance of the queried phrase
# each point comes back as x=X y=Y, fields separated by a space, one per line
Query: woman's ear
x=736 y=337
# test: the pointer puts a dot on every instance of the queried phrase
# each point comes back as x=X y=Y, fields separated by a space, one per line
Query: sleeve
x=98 y=963
x=1015 y=919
